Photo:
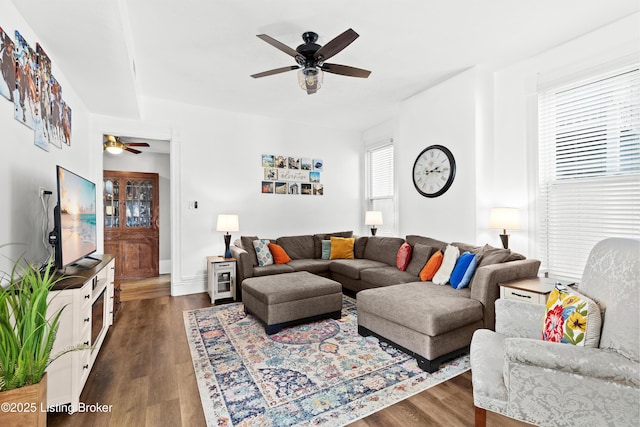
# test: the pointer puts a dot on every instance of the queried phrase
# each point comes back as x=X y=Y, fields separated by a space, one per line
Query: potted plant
x=27 y=334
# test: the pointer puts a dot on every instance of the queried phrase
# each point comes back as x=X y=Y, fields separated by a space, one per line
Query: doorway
x=149 y=156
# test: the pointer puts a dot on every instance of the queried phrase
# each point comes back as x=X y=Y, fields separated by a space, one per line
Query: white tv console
x=78 y=293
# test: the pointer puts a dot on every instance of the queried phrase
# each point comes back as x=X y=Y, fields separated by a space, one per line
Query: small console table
x=221 y=275
x=534 y=290
x=86 y=293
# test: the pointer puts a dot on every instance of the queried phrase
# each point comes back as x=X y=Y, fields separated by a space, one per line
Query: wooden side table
x=221 y=276
x=534 y=290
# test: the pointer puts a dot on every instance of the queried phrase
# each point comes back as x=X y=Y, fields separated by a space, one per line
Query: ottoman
x=286 y=299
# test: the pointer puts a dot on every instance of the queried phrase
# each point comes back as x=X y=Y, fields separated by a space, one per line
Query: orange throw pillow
x=430 y=268
x=279 y=254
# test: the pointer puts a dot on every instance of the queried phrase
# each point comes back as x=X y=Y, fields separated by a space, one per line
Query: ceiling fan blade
x=345 y=70
x=131 y=150
x=278 y=45
x=137 y=144
x=275 y=71
x=336 y=45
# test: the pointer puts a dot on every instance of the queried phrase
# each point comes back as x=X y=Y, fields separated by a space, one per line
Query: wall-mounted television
x=75 y=218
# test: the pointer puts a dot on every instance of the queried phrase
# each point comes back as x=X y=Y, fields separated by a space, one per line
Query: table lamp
x=504 y=218
x=227 y=223
x=373 y=218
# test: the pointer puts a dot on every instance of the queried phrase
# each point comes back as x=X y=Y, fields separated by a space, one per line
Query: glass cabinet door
x=224 y=281
x=139 y=202
x=111 y=194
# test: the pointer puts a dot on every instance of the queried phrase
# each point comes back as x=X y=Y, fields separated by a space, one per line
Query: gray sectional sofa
x=430 y=321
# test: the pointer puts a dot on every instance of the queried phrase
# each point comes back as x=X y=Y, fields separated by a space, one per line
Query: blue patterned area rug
x=321 y=373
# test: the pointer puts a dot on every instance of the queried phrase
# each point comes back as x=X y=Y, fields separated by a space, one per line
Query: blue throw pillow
x=463 y=270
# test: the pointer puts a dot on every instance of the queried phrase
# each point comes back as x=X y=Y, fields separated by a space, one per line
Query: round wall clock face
x=434 y=171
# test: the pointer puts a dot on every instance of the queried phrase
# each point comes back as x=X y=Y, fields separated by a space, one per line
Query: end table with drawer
x=534 y=290
x=221 y=276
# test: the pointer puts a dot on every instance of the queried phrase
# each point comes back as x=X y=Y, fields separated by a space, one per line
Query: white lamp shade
x=227 y=223
x=505 y=218
x=373 y=218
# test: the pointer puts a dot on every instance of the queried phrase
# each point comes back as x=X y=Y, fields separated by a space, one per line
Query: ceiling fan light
x=310 y=77
x=113 y=147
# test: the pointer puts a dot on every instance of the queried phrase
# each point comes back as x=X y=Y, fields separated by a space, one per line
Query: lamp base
x=227 y=242
x=374 y=230
x=505 y=240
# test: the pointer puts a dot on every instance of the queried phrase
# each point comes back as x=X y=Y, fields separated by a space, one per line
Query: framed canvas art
x=25 y=103
x=7 y=65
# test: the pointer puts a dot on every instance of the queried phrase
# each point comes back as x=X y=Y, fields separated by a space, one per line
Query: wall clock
x=434 y=171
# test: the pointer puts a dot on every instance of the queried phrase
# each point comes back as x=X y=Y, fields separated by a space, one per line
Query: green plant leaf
x=26 y=334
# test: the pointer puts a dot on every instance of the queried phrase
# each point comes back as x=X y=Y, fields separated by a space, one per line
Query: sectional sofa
x=432 y=322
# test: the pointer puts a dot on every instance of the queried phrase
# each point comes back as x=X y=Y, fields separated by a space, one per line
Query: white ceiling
x=202 y=52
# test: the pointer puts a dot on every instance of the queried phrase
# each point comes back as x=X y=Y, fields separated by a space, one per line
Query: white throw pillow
x=443 y=274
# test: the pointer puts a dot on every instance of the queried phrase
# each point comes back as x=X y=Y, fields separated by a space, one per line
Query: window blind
x=380 y=186
x=589 y=167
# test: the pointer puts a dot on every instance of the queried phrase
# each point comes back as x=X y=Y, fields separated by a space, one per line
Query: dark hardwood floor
x=144 y=371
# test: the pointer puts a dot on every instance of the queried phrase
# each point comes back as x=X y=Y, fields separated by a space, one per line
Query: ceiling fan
x=114 y=145
x=310 y=57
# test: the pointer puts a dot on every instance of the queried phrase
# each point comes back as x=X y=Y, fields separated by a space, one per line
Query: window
x=589 y=167
x=380 y=186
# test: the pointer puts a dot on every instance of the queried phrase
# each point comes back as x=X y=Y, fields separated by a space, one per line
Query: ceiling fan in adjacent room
x=310 y=57
x=114 y=145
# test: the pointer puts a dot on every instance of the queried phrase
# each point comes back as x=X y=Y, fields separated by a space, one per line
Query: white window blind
x=380 y=186
x=589 y=167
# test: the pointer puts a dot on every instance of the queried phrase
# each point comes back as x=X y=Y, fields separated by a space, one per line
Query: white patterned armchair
x=517 y=374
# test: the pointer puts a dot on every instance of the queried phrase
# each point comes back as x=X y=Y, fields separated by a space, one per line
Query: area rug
x=318 y=374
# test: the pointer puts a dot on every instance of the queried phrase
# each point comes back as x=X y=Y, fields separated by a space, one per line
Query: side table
x=534 y=290
x=221 y=275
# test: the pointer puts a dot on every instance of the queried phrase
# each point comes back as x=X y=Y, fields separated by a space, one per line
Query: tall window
x=589 y=167
x=380 y=186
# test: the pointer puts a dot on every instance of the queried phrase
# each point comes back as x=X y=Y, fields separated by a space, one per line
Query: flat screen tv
x=75 y=218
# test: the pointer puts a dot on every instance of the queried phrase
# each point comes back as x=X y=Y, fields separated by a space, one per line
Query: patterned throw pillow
x=262 y=252
x=403 y=257
x=280 y=256
x=571 y=318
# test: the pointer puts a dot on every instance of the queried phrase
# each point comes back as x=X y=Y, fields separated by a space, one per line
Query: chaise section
x=433 y=322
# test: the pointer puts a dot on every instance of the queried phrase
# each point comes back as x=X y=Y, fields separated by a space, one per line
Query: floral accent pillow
x=571 y=318
x=262 y=252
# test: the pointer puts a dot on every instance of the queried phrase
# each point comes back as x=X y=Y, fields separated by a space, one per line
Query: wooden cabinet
x=131 y=222
x=87 y=297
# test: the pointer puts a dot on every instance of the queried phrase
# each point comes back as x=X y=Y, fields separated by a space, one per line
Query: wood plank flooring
x=144 y=371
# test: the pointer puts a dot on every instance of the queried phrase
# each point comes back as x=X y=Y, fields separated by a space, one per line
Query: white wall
x=446 y=114
x=515 y=147
x=150 y=163
x=24 y=167
x=216 y=161
x=488 y=120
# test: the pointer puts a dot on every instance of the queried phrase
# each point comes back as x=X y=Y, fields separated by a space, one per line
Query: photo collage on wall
x=292 y=175
x=27 y=81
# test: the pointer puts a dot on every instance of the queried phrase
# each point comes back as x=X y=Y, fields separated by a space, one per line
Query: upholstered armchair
x=517 y=374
